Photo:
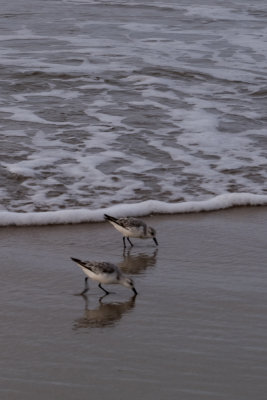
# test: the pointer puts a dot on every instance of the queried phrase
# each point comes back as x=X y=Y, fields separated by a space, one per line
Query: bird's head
x=129 y=283
x=152 y=233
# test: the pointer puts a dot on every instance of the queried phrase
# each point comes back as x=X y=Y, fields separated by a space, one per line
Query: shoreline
x=141 y=209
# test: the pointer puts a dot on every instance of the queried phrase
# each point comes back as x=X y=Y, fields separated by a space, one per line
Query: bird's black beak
x=134 y=290
x=155 y=240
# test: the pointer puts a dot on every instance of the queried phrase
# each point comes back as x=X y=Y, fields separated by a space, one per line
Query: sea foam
x=130 y=102
x=136 y=209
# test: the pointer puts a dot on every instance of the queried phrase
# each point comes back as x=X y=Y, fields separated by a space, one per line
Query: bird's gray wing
x=101 y=267
x=130 y=222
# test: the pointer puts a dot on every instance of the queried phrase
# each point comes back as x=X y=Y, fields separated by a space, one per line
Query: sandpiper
x=132 y=227
x=104 y=272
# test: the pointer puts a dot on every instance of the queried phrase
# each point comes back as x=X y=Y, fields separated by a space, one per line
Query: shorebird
x=104 y=272
x=132 y=227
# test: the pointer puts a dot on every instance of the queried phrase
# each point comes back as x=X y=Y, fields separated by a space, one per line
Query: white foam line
x=137 y=209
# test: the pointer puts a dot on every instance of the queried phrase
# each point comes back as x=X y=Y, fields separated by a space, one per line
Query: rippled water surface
x=109 y=102
x=195 y=331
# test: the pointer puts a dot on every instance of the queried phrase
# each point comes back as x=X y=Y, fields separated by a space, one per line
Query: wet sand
x=196 y=330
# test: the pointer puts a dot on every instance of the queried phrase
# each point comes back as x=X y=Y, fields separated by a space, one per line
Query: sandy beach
x=196 y=330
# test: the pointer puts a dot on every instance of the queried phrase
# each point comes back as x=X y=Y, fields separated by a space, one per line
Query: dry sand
x=196 y=330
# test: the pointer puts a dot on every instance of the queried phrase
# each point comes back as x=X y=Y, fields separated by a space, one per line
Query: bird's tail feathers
x=109 y=218
x=77 y=261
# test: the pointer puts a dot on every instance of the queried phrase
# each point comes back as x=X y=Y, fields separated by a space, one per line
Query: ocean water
x=135 y=107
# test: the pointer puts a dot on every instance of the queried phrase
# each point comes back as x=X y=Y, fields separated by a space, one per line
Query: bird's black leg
x=101 y=287
x=124 y=244
x=129 y=241
x=86 y=287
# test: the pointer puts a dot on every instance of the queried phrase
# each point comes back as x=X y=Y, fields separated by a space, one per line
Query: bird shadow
x=104 y=315
x=137 y=263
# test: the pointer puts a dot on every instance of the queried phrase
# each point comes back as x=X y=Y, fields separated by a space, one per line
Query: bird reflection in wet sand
x=136 y=264
x=106 y=314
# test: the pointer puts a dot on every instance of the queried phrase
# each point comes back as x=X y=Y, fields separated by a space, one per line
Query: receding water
x=110 y=102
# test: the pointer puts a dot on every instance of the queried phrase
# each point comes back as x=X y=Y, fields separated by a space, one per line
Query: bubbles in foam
x=112 y=111
x=137 y=209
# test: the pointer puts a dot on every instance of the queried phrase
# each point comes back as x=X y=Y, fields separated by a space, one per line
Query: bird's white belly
x=106 y=278
x=133 y=232
x=88 y=272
